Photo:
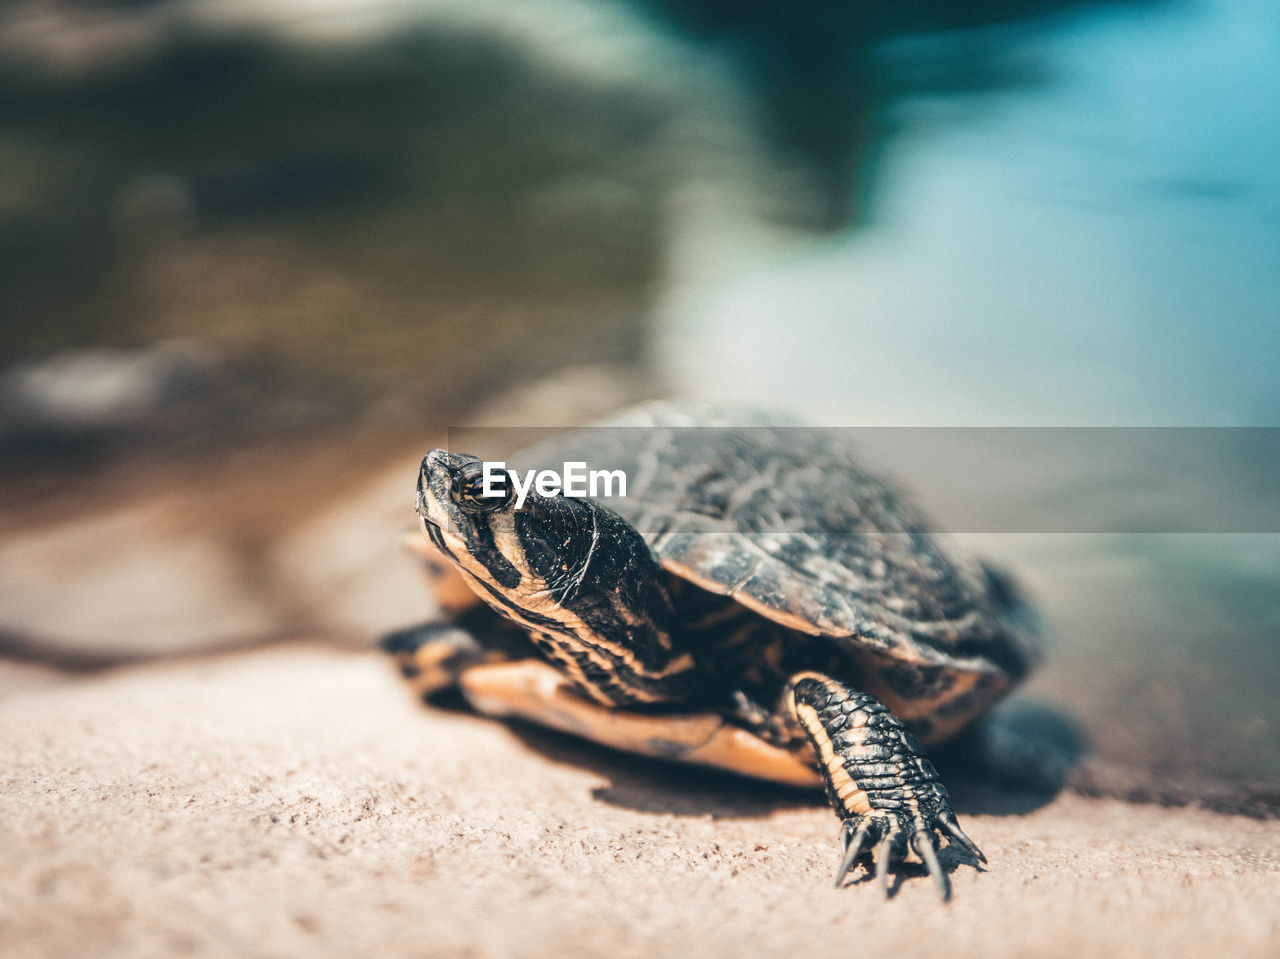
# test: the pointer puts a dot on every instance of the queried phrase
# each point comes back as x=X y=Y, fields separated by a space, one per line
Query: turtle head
x=451 y=490
x=573 y=572
x=457 y=515
x=521 y=553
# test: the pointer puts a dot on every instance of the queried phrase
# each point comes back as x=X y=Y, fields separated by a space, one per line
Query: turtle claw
x=853 y=840
x=922 y=843
x=886 y=833
x=883 y=854
x=947 y=821
x=863 y=833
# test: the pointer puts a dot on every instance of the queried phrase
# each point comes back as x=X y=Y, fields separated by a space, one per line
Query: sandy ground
x=295 y=801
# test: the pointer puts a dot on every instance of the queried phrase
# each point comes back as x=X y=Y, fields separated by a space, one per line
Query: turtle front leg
x=432 y=656
x=884 y=790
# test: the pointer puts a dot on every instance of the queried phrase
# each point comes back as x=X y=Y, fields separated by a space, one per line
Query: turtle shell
x=784 y=519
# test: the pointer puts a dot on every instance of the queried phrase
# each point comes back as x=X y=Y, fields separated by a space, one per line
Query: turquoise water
x=1099 y=247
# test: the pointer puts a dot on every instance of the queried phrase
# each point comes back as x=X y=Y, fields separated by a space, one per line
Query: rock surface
x=295 y=802
x=352 y=577
x=129 y=583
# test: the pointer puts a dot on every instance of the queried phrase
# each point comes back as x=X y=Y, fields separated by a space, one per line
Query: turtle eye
x=467 y=491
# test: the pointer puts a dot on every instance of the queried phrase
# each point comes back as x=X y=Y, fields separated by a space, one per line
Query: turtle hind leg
x=882 y=787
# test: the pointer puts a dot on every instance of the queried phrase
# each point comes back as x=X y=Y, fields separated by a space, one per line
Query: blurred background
x=256 y=257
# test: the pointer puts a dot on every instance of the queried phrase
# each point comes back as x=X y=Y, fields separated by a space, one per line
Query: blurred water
x=1098 y=248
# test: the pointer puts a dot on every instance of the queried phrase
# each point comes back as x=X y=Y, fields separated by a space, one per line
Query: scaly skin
x=878 y=780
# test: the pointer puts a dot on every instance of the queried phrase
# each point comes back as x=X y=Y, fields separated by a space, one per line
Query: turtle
x=757 y=601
